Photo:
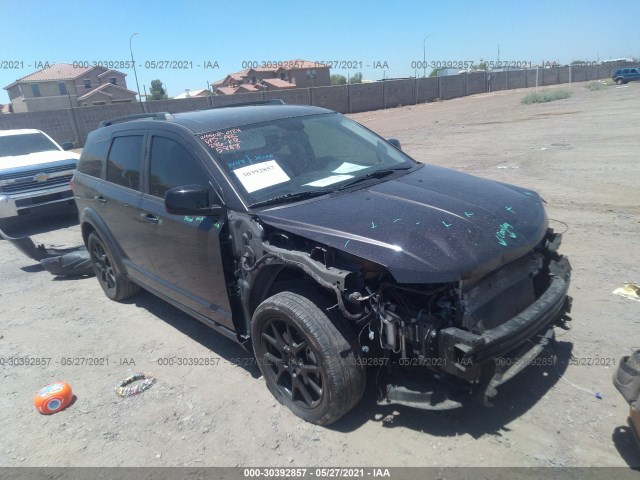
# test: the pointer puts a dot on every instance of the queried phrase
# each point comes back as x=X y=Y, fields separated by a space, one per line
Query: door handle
x=100 y=199
x=150 y=217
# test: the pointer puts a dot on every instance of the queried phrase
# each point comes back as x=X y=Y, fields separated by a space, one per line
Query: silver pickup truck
x=34 y=174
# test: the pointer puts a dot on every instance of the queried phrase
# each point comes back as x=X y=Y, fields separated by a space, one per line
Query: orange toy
x=53 y=397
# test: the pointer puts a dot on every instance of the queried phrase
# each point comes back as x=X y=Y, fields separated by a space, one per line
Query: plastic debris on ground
x=56 y=259
x=629 y=290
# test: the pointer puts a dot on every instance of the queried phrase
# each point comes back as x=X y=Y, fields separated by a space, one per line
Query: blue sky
x=358 y=31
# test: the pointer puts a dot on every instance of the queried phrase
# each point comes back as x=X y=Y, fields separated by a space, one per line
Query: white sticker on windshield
x=323 y=182
x=349 y=167
x=261 y=175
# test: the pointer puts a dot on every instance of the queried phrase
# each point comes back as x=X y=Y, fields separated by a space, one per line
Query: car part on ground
x=301 y=234
x=76 y=263
x=57 y=260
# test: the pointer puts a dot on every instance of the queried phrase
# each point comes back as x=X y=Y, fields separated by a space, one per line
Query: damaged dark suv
x=324 y=249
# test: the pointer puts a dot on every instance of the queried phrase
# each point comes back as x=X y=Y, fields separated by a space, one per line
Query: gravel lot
x=581 y=154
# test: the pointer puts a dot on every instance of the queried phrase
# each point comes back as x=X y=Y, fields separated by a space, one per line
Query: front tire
x=308 y=364
x=114 y=285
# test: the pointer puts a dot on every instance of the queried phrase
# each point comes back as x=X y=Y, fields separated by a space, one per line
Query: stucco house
x=200 y=92
x=62 y=85
x=292 y=74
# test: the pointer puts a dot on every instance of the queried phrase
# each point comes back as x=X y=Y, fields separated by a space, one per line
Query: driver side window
x=171 y=165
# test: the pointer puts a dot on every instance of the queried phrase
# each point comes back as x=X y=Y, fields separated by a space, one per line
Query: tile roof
x=277 y=83
x=247 y=87
x=109 y=71
x=57 y=71
x=103 y=87
x=298 y=64
x=226 y=90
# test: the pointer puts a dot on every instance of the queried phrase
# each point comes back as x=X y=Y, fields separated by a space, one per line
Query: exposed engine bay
x=451 y=333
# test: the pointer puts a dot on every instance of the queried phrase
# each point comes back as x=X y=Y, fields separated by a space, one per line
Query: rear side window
x=123 y=164
x=173 y=166
x=92 y=158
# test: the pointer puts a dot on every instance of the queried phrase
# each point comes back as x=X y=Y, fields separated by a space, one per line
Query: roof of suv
x=203 y=121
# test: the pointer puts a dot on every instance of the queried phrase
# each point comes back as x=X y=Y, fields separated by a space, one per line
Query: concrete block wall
x=451 y=86
x=222 y=100
x=74 y=124
x=399 y=92
x=334 y=98
x=497 y=81
x=366 y=97
x=295 y=96
x=55 y=123
x=177 y=106
x=516 y=79
x=476 y=83
x=427 y=89
x=88 y=118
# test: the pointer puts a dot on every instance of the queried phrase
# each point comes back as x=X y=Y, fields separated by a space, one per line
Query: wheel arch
x=276 y=278
x=91 y=222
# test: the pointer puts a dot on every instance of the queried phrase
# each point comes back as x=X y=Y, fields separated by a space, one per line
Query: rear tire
x=308 y=364
x=115 y=286
x=619 y=81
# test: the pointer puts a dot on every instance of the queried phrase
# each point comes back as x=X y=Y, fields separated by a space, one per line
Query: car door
x=184 y=250
x=119 y=197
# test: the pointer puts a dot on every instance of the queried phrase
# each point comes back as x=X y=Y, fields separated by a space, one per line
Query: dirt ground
x=581 y=154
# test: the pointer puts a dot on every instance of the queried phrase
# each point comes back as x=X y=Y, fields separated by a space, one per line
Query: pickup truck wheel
x=115 y=286
x=308 y=365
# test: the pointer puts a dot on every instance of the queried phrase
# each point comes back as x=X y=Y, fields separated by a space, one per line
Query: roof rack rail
x=273 y=101
x=127 y=118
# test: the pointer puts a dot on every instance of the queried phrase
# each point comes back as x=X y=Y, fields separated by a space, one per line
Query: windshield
x=293 y=157
x=13 y=145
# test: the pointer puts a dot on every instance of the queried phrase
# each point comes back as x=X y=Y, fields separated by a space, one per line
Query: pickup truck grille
x=25 y=181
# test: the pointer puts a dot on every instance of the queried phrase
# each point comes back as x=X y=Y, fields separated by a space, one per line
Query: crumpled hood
x=429 y=226
x=35 y=159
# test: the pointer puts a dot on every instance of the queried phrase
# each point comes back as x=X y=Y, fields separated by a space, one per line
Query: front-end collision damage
x=452 y=333
x=269 y=260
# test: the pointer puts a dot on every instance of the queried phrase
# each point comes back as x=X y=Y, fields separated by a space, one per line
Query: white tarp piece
x=323 y=182
x=349 y=167
x=261 y=175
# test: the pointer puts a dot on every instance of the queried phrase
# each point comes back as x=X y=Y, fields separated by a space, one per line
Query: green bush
x=545 y=96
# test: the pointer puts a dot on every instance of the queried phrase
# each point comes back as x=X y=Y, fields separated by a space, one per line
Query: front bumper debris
x=478 y=363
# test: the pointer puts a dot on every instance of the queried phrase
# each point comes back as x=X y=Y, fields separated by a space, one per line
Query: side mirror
x=395 y=142
x=67 y=145
x=190 y=200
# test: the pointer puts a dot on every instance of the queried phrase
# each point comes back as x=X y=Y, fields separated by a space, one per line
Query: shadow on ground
x=40 y=225
x=627 y=445
x=216 y=342
x=514 y=399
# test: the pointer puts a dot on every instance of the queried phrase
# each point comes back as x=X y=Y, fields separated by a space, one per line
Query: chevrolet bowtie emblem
x=41 y=177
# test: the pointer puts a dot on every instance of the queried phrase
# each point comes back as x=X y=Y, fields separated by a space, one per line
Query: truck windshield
x=288 y=158
x=24 y=144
